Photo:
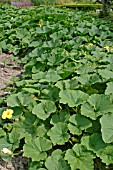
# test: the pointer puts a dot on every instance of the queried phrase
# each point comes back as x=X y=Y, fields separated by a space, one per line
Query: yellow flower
x=39 y=24
x=74 y=139
x=6 y=151
x=35 y=98
x=7 y=114
x=106 y=47
x=90 y=44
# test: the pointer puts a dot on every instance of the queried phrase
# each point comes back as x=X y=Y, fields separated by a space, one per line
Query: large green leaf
x=89 y=79
x=106 y=74
x=56 y=161
x=51 y=43
x=24 y=98
x=4 y=143
x=35 y=166
x=107 y=127
x=109 y=89
x=18 y=99
x=55 y=59
x=58 y=134
x=2 y=132
x=63 y=116
x=13 y=100
x=31 y=90
x=79 y=158
x=51 y=77
x=98 y=104
x=35 y=148
x=94 y=31
x=26 y=125
x=14 y=138
x=50 y=93
x=72 y=97
x=39 y=75
x=2 y=45
x=35 y=43
x=85 y=69
x=42 y=30
x=67 y=84
x=41 y=131
x=107 y=155
x=94 y=143
x=44 y=109
x=78 y=123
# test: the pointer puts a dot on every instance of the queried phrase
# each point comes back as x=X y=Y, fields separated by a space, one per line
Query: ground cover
x=59 y=113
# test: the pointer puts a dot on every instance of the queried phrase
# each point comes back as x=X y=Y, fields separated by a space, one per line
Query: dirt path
x=8 y=69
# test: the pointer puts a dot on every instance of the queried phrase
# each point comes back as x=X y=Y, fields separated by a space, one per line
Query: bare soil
x=17 y=163
x=8 y=70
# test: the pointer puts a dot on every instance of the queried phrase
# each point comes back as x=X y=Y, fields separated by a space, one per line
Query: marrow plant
x=60 y=112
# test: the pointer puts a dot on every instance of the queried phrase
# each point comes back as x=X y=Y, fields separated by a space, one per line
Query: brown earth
x=8 y=69
x=17 y=163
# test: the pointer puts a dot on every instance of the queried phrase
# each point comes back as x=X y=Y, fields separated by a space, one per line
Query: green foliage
x=58 y=134
x=35 y=148
x=79 y=158
x=63 y=102
x=106 y=123
x=56 y=161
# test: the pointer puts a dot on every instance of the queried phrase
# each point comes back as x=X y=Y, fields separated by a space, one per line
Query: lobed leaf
x=44 y=109
x=35 y=148
x=72 y=97
x=58 y=133
x=79 y=158
x=107 y=127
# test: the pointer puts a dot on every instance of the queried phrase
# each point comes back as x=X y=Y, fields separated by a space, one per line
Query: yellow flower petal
x=10 y=111
x=39 y=24
x=106 y=47
x=7 y=114
x=35 y=98
x=4 y=115
x=90 y=44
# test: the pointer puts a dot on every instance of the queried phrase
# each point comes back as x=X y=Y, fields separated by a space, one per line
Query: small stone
x=10 y=166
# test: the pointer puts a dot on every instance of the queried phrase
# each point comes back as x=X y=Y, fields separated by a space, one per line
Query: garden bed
x=61 y=109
